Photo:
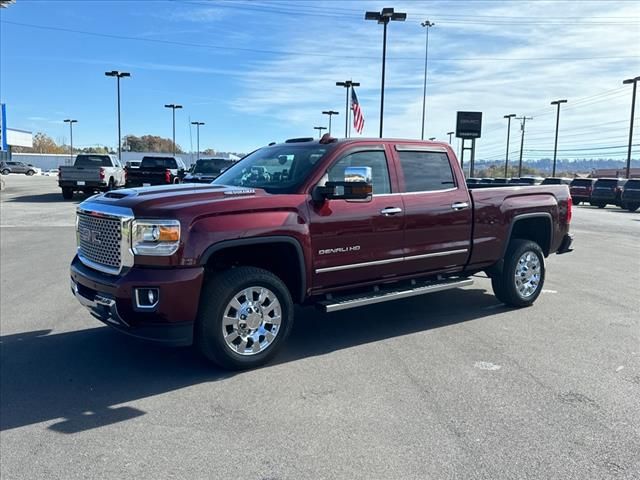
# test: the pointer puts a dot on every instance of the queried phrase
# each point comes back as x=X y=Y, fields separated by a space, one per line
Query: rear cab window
x=425 y=171
x=93 y=161
x=159 y=162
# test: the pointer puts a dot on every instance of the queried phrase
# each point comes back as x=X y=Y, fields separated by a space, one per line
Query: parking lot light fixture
x=555 y=145
x=347 y=84
x=633 y=81
x=70 y=121
x=320 y=129
x=427 y=25
x=450 y=134
x=118 y=75
x=330 y=113
x=197 y=124
x=506 y=157
x=383 y=17
x=173 y=107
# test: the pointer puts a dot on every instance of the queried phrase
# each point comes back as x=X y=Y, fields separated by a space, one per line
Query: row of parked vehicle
x=101 y=172
x=598 y=192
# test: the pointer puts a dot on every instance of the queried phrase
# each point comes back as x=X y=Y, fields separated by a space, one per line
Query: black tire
x=218 y=290
x=575 y=201
x=632 y=207
x=598 y=204
x=6 y=171
x=111 y=185
x=504 y=283
x=67 y=193
x=176 y=180
x=29 y=173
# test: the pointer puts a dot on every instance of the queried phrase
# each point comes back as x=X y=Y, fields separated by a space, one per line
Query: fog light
x=147 y=298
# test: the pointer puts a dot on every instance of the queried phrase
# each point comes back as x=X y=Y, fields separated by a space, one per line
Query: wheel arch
x=242 y=251
x=537 y=227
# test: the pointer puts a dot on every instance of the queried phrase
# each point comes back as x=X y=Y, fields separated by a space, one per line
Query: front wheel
x=29 y=173
x=6 y=171
x=245 y=316
x=67 y=193
x=522 y=277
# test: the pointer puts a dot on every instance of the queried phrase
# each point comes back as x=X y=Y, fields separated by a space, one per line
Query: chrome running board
x=353 y=301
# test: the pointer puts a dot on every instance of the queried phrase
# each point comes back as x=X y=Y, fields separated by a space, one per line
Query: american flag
x=358 y=118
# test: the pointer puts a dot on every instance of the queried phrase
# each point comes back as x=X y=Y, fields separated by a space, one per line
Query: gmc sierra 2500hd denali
x=335 y=223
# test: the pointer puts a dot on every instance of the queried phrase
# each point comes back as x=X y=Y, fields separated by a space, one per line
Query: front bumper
x=565 y=246
x=110 y=299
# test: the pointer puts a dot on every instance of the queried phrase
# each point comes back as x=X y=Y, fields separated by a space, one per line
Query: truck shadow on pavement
x=55 y=197
x=81 y=379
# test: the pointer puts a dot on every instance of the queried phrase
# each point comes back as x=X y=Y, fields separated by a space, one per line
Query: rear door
x=355 y=241
x=437 y=209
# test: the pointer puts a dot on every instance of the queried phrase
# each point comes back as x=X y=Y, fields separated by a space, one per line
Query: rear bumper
x=87 y=184
x=110 y=299
x=565 y=246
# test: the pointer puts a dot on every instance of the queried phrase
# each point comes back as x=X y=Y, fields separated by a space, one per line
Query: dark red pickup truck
x=335 y=223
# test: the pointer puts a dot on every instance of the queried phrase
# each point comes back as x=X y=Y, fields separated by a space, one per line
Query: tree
x=42 y=143
x=150 y=143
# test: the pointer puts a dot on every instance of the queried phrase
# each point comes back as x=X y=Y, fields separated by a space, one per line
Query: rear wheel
x=522 y=277
x=112 y=185
x=29 y=173
x=598 y=204
x=6 y=171
x=244 y=317
x=632 y=207
x=67 y=193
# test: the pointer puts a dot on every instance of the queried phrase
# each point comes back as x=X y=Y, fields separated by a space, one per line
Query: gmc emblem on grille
x=88 y=235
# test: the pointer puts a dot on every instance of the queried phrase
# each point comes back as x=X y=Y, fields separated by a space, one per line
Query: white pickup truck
x=91 y=172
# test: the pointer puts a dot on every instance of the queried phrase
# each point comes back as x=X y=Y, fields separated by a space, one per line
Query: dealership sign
x=469 y=124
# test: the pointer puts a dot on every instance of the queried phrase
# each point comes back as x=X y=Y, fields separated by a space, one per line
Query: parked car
x=18 y=167
x=580 y=189
x=206 y=170
x=52 y=172
x=607 y=191
x=91 y=172
x=221 y=265
x=556 y=181
x=486 y=180
x=531 y=180
x=631 y=195
x=161 y=170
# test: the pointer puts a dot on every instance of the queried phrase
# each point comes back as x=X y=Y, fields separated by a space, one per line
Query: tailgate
x=87 y=174
x=153 y=177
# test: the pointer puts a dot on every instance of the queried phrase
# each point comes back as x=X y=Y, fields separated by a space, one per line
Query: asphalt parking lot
x=447 y=386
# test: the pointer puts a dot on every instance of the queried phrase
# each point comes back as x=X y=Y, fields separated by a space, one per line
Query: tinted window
x=606 y=183
x=214 y=165
x=92 y=161
x=426 y=171
x=581 y=182
x=632 y=185
x=376 y=159
x=159 y=162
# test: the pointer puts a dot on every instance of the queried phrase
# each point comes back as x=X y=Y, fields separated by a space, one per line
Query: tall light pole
x=555 y=146
x=427 y=24
x=197 y=124
x=347 y=84
x=174 y=107
x=70 y=122
x=118 y=75
x=319 y=130
x=330 y=113
x=384 y=17
x=450 y=134
x=506 y=161
x=633 y=108
x=522 y=127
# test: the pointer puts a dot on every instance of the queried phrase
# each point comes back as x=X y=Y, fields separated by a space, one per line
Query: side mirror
x=357 y=186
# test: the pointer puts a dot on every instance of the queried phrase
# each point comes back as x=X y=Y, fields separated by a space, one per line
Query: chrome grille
x=99 y=240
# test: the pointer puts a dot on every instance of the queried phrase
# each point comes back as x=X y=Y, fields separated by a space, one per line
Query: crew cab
x=156 y=171
x=205 y=170
x=91 y=172
x=334 y=223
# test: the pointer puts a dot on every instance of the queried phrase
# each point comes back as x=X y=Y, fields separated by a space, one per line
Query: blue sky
x=261 y=71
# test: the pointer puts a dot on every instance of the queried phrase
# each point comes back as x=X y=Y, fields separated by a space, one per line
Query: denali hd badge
x=328 y=251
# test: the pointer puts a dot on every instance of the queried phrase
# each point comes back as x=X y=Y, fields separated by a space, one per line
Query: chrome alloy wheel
x=527 y=275
x=251 y=320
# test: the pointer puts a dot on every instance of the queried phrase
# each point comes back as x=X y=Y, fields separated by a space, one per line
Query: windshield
x=92 y=161
x=159 y=162
x=211 y=165
x=278 y=169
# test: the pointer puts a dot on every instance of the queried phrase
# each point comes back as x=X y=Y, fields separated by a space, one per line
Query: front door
x=358 y=241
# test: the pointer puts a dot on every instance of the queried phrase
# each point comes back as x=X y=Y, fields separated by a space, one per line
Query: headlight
x=156 y=237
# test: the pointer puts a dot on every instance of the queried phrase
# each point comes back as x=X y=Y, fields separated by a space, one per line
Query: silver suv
x=17 y=167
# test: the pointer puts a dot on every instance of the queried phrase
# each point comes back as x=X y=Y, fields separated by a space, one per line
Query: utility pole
x=450 y=134
x=347 y=84
x=71 y=122
x=197 y=124
x=522 y=126
x=319 y=130
x=427 y=24
x=118 y=75
x=555 y=146
x=384 y=17
x=330 y=113
x=506 y=161
x=633 y=107
x=174 y=107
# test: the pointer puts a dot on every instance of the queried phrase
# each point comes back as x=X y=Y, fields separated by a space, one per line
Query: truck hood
x=173 y=200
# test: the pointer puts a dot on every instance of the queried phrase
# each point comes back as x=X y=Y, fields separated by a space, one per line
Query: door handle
x=390 y=211
x=459 y=205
